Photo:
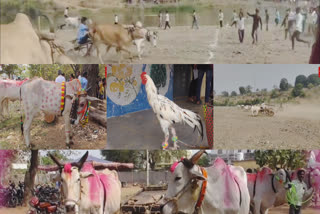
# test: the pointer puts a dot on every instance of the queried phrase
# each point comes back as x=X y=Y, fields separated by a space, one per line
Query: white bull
x=255 y=110
x=264 y=186
x=71 y=21
x=226 y=188
x=41 y=95
x=86 y=190
x=9 y=91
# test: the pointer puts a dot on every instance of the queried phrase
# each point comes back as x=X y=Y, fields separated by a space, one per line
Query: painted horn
x=194 y=159
x=80 y=163
x=59 y=164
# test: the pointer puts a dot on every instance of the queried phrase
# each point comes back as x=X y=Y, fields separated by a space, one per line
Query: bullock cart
x=148 y=200
x=267 y=111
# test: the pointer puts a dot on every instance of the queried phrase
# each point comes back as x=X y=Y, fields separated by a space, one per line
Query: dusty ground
x=177 y=45
x=49 y=136
x=142 y=130
x=295 y=127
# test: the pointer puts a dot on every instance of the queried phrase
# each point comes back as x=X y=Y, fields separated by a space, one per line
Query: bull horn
x=80 y=163
x=194 y=159
x=59 y=164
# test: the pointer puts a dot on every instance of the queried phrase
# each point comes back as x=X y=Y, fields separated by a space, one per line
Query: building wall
x=125 y=92
x=155 y=177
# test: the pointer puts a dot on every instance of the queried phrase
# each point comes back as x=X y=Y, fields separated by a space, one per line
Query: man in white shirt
x=167 y=17
x=221 y=16
x=116 y=19
x=301 y=190
x=299 y=28
x=240 y=23
x=66 y=11
x=60 y=78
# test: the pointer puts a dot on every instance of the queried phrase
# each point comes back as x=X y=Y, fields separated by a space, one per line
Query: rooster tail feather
x=193 y=120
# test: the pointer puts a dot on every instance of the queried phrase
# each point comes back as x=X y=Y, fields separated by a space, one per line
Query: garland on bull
x=85 y=119
x=63 y=89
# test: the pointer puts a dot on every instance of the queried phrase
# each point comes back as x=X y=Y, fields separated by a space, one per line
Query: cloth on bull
x=82 y=34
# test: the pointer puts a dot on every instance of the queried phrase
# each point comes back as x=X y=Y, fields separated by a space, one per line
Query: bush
x=274 y=94
x=297 y=91
x=310 y=85
x=301 y=79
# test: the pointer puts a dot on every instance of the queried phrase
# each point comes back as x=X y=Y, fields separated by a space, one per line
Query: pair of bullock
x=67 y=99
x=220 y=188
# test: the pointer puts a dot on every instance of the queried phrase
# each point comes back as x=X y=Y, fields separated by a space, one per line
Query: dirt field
x=295 y=127
x=284 y=209
x=177 y=45
x=49 y=136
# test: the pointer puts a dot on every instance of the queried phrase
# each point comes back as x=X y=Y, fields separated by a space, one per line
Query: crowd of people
x=101 y=82
x=295 y=22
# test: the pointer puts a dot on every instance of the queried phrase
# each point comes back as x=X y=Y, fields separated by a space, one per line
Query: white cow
x=255 y=110
x=87 y=190
x=71 y=21
x=226 y=191
x=42 y=95
x=264 y=187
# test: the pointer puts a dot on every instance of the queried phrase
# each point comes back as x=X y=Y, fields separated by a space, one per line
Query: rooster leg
x=174 y=138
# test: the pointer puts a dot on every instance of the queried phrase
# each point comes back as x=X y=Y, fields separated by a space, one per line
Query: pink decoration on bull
x=67 y=168
x=93 y=182
x=174 y=166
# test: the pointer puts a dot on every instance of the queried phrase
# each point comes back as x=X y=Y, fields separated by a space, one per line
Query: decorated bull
x=86 y=190
x=264 y=186
x=9 y=91
x=66 y=99
x=217 y=189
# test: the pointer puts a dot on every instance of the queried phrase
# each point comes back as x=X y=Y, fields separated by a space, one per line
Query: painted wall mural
x=126 y=94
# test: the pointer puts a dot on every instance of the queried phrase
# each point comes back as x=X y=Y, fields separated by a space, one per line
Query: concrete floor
x=141 y=130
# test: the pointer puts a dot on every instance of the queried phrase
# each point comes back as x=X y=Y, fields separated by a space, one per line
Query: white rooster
x=169 y=113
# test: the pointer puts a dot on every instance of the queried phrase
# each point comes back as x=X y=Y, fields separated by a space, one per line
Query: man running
x=277 y=19
x=267 y=19
x=234 y=18
x=299 y=28
x=221 y=16
x=195 y=20
x=255 y=26
x=116 y=19
x=241 y=27
x=160 y=19
x=66 y=12
x=167 y=24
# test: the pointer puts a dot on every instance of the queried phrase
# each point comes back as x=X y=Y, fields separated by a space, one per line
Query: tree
x=46 y=160
x=301 y=79
x=233 y=94
x=30 y=176
x=284 y=85
x=204 y=161
x=313 y=79
x=225 y=94
x=248 y=89
x=286 y=159
x=139 y=157
x=9 y=69
x=297 y=91
x=242 y=90
x=93 y=74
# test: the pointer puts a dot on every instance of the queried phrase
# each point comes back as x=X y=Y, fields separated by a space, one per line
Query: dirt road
x=177 y=45
x=296 y=127
x=284 y=209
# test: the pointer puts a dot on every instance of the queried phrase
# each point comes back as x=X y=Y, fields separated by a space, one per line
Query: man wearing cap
x=60 y=78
